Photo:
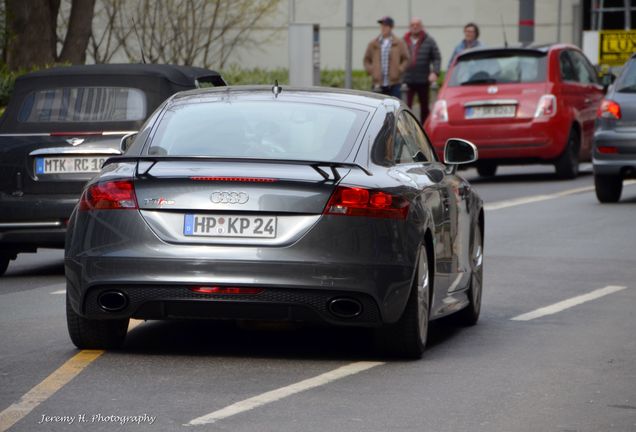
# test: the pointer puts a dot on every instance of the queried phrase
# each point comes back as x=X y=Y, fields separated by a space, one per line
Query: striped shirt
x=385 y=49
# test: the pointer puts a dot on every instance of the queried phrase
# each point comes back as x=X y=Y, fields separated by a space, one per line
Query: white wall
x=444 y=20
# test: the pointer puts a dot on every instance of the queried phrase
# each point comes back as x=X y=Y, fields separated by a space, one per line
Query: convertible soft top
x=157 y=81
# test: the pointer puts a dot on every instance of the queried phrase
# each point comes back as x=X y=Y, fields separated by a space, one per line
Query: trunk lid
x=206 y=202
x=494 y=103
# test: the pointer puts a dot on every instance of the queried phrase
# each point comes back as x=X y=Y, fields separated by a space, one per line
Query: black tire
x=608 y=188
x=486 y=169
x=407 y=337
x=567 y=165
x=4 y=263
x=470 y=314
x=95 y=334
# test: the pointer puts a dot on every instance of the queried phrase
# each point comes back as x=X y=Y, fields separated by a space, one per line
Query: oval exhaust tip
x=112 y=301
x=344 y=307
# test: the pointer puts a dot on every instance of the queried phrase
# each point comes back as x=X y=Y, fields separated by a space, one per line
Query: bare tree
x=202 y=32
x=31 y=28
x=109 y=31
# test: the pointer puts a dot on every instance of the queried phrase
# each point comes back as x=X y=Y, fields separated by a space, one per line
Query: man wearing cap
x=386 y=59
x=424 y=67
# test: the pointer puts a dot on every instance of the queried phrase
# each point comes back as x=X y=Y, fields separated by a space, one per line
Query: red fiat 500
x=520 y=105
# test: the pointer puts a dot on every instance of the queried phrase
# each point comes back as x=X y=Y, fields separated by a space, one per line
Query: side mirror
x=458 y=151
x=126 y=141
x=607 y=80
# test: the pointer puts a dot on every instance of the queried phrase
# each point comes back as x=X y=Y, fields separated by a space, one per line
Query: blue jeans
x=392 y=90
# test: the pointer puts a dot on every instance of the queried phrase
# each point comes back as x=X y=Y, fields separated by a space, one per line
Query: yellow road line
x=50 y=385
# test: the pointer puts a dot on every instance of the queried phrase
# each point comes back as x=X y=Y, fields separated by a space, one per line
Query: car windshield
x=83 y=104
x=267 y=130
x=499 y=67
x=627 y=81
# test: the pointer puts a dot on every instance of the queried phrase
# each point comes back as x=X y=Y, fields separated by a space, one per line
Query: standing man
x=386 y=59
x=424 y=66
x=471 y=40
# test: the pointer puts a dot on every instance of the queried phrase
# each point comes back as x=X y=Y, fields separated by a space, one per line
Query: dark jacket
x=427 y=59
x=398 y=61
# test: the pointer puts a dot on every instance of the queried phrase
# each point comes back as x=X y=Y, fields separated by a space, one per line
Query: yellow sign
x=616 y=46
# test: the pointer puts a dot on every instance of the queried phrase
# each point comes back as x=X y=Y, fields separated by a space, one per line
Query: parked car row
x=278 y=203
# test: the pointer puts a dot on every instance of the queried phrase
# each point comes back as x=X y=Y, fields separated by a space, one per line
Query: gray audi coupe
x=277 y=203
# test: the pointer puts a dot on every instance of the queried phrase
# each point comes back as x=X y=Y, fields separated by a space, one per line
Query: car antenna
x=504 y=31
x=141 y=47
x=276 y=89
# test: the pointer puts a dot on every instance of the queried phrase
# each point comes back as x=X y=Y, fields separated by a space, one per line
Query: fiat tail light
x=440 y=111
x=547 y=106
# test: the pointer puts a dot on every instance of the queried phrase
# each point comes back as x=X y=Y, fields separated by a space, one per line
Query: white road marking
x=566 y=304
x=283 y=392
x=537 y=198
x=59 y=292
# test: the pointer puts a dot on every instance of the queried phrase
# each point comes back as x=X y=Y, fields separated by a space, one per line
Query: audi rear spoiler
x=316 y=165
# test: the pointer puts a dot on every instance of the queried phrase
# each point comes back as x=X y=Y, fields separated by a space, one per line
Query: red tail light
x=607 y=149
x=350 y=201
x=440 y=111
x=609 y=109
x=547 y=106
x=227 y=290
x=110 y=195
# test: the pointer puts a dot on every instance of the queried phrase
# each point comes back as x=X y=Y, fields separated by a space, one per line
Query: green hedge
x=328 y=77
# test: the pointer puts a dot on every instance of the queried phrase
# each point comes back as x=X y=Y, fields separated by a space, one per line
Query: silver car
x=614 y=152
x=277 y=204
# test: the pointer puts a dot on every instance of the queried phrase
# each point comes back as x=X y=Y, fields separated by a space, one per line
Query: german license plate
x=229 y=226
x=489 y=111
x=69 y=164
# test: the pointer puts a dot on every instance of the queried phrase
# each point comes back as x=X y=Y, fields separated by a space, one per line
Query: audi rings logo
x=229 y=197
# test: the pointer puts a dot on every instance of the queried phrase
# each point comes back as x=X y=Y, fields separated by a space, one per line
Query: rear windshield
x=627 y=81
x=83 y=104
x=264 y=130
x=499 y=67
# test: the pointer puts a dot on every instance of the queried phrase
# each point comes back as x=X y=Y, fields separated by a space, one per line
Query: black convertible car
x=278 y=204
x=59 y=127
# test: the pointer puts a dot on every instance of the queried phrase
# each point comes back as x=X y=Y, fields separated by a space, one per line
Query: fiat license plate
x=490 y=111
x=69 y=164
x=229 y=226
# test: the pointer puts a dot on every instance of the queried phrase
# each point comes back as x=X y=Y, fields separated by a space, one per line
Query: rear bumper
x=623 y=161
x=519 y=141
x=160 y=289
x=29 y=222
x=298 y=280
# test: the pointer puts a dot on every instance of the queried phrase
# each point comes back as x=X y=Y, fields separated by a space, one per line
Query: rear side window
x=627 y=81
x=499 y=67
x=252 y=129
x=83 y=104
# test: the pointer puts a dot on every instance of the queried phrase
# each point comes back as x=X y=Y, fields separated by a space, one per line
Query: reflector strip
x=607 y=150
x=227 y=290
x=236 y=179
